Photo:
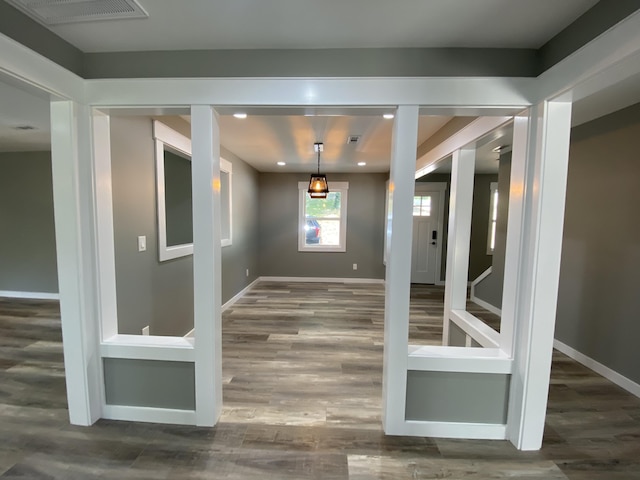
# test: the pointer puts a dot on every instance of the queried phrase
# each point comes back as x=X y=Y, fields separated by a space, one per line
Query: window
x=174 y=198
x=226 y=172
x=422 y=206
x=493 y=218
x=323 y=221
x=173 y=192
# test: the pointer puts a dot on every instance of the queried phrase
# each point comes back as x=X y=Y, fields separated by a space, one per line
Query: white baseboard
x=620 y=380
x=239 y=295
x=476 y=431
x=230 y=302
x=322 y=280
x=34 y=295
x=149 y=414
x=486 y=306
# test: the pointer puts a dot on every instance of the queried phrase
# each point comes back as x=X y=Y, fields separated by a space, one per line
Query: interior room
x=182 y=297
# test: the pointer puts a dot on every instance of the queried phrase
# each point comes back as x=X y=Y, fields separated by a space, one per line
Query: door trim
x=441 y=189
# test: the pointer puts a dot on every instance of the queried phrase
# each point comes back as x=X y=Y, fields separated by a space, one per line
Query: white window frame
x=164 y=135
x=341 y=187
x=493 y=188
x=227 y=167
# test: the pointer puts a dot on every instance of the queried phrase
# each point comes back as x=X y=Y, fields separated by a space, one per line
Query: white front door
x=427 y=236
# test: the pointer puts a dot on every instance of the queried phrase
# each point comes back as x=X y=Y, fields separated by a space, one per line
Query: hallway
x=302 y=369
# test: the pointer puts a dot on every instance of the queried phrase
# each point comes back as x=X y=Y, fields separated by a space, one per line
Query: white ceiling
x=21 y=108
x=236 y=24
x=263 y=140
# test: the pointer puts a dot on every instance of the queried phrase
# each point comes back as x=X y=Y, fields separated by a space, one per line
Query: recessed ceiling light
x=240 y=115
x=282 y=164
x=388 y=116
x=362 y=164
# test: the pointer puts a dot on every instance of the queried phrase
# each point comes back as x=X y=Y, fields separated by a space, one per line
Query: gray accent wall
x=242 y=254
x=598 y=300
x=490 y=288
x=457 y=397
x=479 y=260
x=150 y=292
x=18 y=26
x=595 y=21
x=27 y=231
x=149 y=383
x=337 y=62
x=279 y=255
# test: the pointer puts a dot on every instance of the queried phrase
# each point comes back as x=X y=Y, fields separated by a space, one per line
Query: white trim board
x=620 y=380
x=486 y=305
x=322 y=280
x=34 y=295
x=480 y=431
x=149 y=414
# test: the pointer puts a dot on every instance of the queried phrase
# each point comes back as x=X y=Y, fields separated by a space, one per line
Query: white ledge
x=437 y=358
x=148 y=347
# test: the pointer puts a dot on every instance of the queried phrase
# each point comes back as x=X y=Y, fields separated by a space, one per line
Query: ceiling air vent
x=353 y=139
x=54 y=12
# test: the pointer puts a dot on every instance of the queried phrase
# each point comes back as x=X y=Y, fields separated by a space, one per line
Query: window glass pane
x=329 y=231
x=323 y=220
x=323 y=207
x=426 y=206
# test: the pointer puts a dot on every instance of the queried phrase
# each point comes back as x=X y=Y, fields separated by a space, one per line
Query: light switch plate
x=142 y=243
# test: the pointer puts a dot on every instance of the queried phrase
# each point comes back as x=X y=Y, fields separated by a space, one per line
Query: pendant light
x=318 y=186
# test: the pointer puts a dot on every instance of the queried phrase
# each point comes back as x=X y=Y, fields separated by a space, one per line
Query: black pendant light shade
x=318 y=186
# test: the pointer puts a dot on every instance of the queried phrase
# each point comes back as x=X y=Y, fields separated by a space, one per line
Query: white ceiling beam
x=512 y=93
x=462 y=138
x=21 y=63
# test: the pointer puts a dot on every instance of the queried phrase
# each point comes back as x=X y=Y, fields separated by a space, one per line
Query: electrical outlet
x=142 y=243
x=355 y=266
x=145 y=330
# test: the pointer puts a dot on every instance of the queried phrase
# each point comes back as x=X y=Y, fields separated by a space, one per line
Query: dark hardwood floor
x=302 y=395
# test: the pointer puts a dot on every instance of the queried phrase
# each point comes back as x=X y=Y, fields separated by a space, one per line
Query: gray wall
x=242 y=254
x=457 y=397
x=490 y=288
x=279 y=255
x=150 y=292
x=149 y=383
x=479 y=261
x=27 y=233
x=598 y=300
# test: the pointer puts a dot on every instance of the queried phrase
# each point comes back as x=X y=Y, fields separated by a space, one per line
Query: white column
x=207 y=276
x=537 y=291
x=459 y=236
x=75 y=247
x=398 y=272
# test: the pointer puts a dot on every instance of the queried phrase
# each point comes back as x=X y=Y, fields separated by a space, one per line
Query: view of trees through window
x=323 y=219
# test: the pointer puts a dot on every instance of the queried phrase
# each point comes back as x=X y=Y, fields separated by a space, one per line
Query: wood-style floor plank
x=302 y=365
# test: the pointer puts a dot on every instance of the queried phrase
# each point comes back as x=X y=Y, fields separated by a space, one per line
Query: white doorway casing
x=426 y=249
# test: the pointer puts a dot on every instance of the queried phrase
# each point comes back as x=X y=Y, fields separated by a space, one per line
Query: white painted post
x=75 y=247
x=207 y=276
x=545 y=189
x=398 y=273
x=459 y=236
x=514 y=232
x=107 y=299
